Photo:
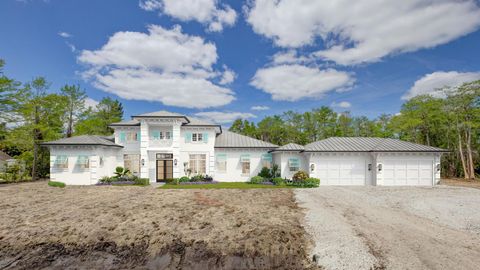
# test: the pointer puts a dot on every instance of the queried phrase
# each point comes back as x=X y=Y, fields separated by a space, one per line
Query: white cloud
x=363 y=31
x=260 y=108
x=207 y=12
x=294 y=82
x=290 y=57
x=224 y=117
x=228 y=76
x=431 y=83
x=162 y=65
x=90 y=103
x=64 y=34
x=342 y=104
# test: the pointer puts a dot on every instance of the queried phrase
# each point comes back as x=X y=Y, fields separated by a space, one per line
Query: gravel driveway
x=393 y=228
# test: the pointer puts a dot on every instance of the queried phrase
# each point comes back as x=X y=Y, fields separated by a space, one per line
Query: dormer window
x=197 y=137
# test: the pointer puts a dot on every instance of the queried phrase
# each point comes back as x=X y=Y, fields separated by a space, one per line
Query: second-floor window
x=129 y=136
x=197 y=137
x=161 y=135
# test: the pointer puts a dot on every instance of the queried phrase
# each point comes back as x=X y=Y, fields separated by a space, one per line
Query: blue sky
x=180 y=55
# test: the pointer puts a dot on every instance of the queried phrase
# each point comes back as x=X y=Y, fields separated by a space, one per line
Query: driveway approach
x=393 y=228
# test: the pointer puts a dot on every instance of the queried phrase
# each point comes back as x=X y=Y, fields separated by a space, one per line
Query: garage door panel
x=341 y=171
x=407 y=172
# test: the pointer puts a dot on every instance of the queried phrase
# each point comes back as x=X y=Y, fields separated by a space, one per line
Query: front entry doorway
x=164 y=167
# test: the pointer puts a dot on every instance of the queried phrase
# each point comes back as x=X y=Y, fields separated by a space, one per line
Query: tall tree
x=8 y=89
x=75 y=97
x=96 y=121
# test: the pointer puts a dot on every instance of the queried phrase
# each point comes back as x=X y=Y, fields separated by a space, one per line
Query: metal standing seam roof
x=367 y=144
x=83 y=140
x=290 y=147
x=159 y=114
x=126 y=123
x=230 y=139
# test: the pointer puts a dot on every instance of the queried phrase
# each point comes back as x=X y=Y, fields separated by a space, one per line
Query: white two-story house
x=163 y=145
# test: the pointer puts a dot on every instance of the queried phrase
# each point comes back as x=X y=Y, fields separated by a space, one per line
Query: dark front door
x=164 y=170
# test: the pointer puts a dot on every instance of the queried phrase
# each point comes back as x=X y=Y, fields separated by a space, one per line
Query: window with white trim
x=294 y=164
x=168 y=135
x=221 y=163
x=245 y=161
x=197 y=137
x=198 y=163
x=83 y=162
x=132 y=163
x=267 y=160
x=61 y=162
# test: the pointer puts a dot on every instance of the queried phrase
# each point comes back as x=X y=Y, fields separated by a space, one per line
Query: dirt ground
x=393 y=228
x=461 y=182
x=147 y=228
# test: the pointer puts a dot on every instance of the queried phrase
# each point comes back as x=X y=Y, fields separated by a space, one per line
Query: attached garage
x=356 y=161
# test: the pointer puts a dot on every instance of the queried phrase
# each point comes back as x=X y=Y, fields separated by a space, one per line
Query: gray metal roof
x=198 y=122
x=160 y=114
x=230 y=139
x=83 y=140
x=366 y=144
x=290 y=147
x=126 y=123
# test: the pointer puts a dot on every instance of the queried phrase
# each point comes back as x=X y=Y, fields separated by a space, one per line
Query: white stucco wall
x=234 y=166
x=74 y=175
x=281 y=159
x=189 y=147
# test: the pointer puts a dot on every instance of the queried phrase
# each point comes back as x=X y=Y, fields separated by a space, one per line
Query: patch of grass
x=56 y=184
x=223 y=185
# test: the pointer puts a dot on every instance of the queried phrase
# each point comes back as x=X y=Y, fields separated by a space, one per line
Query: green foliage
x=299 y=176
x=56 y=184
x=307 y=183
x=108 y=179
x=278 y=181
x=184 y=179
x=142 y=181
x=265 y=173
x=75 y=105
x=121 y=172
x=173 y=181
x=197 y=178
x=96 y=121
x=275 y=170
x=256 y=180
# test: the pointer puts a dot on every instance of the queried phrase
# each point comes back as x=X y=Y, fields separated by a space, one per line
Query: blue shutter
x=138 y=136
x=188 y=137
x=205 y=137
x=123 y=137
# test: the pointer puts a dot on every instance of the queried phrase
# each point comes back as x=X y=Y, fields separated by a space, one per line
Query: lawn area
x=223 y=185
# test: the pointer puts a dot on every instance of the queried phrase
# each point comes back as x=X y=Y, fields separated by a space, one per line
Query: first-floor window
x=61 y=162
x=294 y=164
x=132 y=163
x=245 y=161
x=267 y=160
x=198 y=163
x=221 y=163
x=83 y=162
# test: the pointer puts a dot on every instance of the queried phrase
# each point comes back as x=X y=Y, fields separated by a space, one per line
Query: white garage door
x=407 y=172
x=342 y=171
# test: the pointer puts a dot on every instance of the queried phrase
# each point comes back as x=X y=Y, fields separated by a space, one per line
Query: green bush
x=275 y=171
x=300 y=176
x=171 y=180
x=56 y=184
x=256 y=180
x=107 y=179
x=120 y=171
x=142 y=181
x=197 y=178
x=184 y=179
x=307 y=183
x=278 y=181
x=265 y=173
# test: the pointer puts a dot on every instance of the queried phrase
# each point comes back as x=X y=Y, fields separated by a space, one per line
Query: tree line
x=32 y=113
x=451 y=122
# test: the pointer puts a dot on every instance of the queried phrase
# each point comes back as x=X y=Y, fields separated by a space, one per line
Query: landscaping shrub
x=107 y=179
x=171 y=181
x=265 y=173
x=197 y=178
x=278 y=181
x=307 y=183
x=184 y=179
x=120 y=171
x=56 y=184
x=256 y=180
x=208 y=178
x=275 y=171
x=142 y=181
x=300 y=176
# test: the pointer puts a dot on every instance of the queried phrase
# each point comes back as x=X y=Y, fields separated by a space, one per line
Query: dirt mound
x=145 y=228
